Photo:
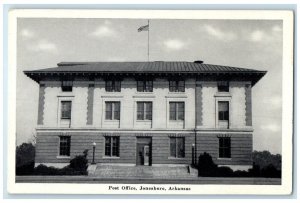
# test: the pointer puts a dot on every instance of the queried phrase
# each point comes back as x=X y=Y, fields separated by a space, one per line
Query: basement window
x=224 y=147
x=112 y=146
x=177 y=149
x=64 y=145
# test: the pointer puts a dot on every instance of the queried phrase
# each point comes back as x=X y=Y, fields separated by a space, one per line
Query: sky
x=256 y=44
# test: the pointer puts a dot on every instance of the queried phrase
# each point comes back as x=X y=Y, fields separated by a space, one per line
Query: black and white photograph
x=160 y=102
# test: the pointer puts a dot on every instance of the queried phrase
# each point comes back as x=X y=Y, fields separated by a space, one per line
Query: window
x=224 y=147
x=223 y=86
x=66 y=86
x=177 y=147
x=112 y=146
x=64 y=145
x=176 y=86
x=176 y=110
x=223 y=108
x=112 y=110
x=113 y=86
x=144 y=110
x=66 y=110
x=145 y=86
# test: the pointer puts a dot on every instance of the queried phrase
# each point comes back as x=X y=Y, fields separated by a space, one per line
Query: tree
x=265 y=158
x=25 y=154
x=34 y=138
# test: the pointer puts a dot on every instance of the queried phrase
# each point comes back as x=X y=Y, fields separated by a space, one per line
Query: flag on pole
x=144 y=28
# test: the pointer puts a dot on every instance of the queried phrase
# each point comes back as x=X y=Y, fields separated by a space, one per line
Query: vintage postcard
x=150 y=102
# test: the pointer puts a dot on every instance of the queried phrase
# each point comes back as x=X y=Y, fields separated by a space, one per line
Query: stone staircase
x=142 y=172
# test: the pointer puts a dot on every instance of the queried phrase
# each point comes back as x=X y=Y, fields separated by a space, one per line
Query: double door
x=144 y=151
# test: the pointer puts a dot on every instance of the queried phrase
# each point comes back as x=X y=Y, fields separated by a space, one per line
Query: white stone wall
x=237 y=104
x=79 y=104
x=53 y=98
x=160 y=98
x=209 y=90
x=51 y=104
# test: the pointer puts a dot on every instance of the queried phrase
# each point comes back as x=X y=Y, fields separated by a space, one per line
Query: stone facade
x=210 y=110
x=88 y=121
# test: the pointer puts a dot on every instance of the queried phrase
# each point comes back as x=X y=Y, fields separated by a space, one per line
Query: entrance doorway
x=144 y=151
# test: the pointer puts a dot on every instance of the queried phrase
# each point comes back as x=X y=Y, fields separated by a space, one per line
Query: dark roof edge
x=35 y=74
x=137 y=72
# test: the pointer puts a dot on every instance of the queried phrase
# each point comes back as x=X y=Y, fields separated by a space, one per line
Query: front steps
x=141 y=172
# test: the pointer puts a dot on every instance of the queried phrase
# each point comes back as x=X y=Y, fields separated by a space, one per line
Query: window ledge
x=222 y=128
x=112 y=95
x=176 y=92
x=143 y=121
x=179 y=95
x=144 y=92
x=222 y=94
x=66 y=94
x=225 y=159
x=144 y=96
x=112 y=92
x=176 y=158
x=63 y=157
x=112 y=121
x=110 y=157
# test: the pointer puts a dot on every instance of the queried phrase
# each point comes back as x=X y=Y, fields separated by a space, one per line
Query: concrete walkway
x=198 y=180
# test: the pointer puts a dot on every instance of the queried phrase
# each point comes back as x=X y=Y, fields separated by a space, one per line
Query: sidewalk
x=198 y=180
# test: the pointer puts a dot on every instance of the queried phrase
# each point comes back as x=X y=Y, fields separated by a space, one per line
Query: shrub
x=45 y=170
x=50 y=171
x=270 y=171
x=25 y=154
x=26 y=169
x=224 y=171
x=206 y=166
x=80 y=162
x=254 y=171
x=240 y=173
x=77 y=166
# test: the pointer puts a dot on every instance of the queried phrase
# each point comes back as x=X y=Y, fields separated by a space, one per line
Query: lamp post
x=94 y=147
x=193 y=154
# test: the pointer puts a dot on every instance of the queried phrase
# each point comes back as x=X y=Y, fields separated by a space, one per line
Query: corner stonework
x=248 y=99
x=40 y=120
x=90 y=104
x=198 y=97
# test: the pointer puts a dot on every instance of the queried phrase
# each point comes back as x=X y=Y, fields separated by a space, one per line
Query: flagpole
x=148 y=38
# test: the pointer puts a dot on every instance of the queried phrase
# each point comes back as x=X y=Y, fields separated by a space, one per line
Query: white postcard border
x=287 y=101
